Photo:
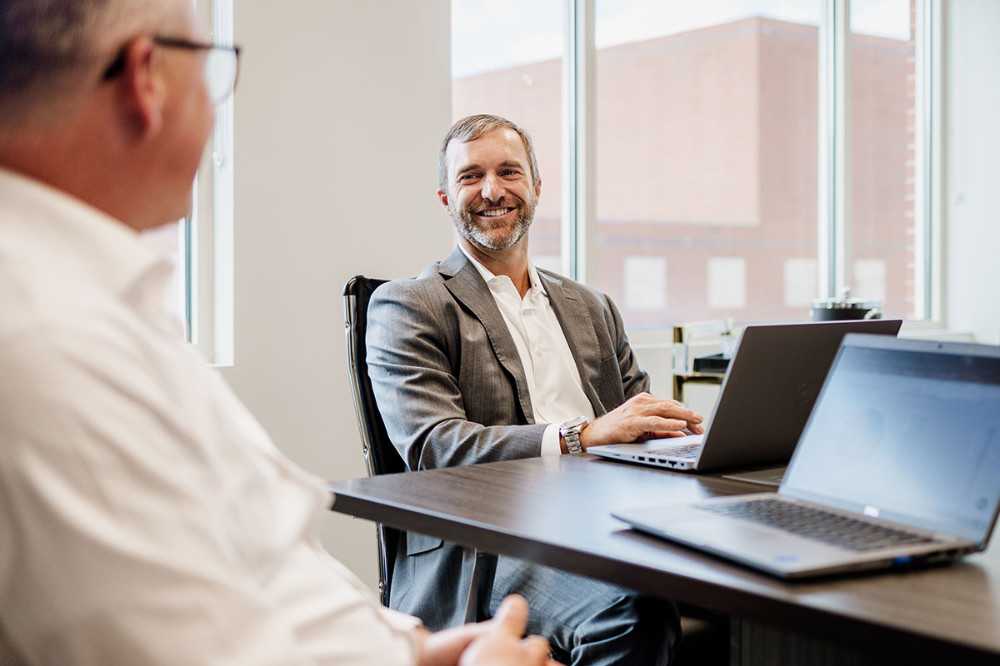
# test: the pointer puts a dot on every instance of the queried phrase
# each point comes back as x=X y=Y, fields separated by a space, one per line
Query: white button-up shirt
x=553 y=378
x=145 y=516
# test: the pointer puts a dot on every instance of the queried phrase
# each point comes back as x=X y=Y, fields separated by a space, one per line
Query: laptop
x=899 y=464
x=765 y=398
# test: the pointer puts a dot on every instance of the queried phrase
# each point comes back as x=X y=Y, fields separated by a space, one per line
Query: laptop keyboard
x=817 y=524
x=682 y=451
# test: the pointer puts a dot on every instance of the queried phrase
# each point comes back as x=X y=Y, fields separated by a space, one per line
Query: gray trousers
x=589 y=622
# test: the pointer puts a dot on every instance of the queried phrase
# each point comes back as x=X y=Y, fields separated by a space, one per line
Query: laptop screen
x=908 y=431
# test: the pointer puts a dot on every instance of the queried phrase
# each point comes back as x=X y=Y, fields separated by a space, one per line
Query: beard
x=478 y=231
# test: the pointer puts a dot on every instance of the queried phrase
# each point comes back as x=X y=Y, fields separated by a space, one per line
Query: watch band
x=570 y=431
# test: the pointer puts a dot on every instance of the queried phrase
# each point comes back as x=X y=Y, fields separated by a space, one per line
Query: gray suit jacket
x=451 y=388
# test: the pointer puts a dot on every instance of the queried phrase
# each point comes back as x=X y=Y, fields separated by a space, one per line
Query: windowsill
x=663 y=336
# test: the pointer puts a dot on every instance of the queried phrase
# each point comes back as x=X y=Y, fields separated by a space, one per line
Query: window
x=883 y=262
x=512 y=67
x=706 y=152
x=742 y=164
x=201 y=290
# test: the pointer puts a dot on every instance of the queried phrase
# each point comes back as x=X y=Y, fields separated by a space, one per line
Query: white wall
x=340 y=107
x=973 y=169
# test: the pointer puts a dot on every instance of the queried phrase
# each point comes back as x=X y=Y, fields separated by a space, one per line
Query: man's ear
x=142 y=87
x=538 y=188
x=443 y=198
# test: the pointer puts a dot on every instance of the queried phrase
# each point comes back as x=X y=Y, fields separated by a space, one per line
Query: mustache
x=502 y=202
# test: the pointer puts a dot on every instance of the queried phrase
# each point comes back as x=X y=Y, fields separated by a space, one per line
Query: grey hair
x=51 y=49
x=471 y=128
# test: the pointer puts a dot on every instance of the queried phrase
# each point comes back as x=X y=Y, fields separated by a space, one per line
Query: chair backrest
x=380 y=455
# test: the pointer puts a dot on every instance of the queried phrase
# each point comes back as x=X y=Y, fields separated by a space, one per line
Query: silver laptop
x=898 y=464
x=765 y=398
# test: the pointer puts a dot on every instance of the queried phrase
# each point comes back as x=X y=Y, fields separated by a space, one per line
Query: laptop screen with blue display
x=905 y=435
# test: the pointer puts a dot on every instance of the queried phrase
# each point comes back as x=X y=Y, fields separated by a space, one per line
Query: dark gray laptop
x=899 y=463
x=764 y=401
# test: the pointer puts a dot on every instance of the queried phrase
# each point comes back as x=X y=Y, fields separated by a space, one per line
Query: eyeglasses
x=220 y=68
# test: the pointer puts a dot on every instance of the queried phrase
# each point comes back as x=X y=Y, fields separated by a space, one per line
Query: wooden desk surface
x=556 y=511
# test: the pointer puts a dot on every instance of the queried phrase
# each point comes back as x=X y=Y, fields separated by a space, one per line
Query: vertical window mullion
x=223 y=197
x=579 y=222
x=834 y=239
x=186 y=251
x=209 y=244
x=927 y=301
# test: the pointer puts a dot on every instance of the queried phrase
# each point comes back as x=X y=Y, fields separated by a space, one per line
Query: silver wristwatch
x=570 y=431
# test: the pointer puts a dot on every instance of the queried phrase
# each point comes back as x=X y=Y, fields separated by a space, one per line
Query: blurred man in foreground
x=145 y=517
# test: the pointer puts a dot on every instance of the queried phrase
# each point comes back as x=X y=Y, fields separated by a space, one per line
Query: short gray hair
x=50 y=49
x=471 y=128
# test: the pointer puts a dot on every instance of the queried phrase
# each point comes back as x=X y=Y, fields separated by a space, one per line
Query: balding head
x=95 y=101
x=52 y=51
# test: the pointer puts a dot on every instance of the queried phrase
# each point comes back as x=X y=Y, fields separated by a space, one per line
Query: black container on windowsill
x=845 y=307
x=711 y=363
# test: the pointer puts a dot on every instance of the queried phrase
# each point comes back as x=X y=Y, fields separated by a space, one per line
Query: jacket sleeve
x=444 y=398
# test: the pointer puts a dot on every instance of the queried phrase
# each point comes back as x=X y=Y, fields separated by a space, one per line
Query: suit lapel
x=468 y=287
x=577 y=324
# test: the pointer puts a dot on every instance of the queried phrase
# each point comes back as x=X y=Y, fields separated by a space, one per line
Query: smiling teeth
x=494 y=212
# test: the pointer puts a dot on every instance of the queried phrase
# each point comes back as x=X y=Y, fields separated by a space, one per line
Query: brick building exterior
x=707 y=168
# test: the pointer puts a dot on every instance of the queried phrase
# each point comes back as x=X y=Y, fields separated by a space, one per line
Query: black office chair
x=381 y=457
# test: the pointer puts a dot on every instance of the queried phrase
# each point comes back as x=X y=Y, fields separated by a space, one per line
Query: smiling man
x=483 y=357
x=493 y=205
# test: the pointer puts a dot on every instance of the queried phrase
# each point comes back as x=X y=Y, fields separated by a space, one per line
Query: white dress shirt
x=145 y=516
x=550 y=370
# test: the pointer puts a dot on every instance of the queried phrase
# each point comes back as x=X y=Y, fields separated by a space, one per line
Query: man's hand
x=642 y=417
x=496 y=642
x=504 y=644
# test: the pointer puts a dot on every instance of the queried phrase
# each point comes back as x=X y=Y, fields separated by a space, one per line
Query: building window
x=801 y=284
x=727 y=283
x=645 y=280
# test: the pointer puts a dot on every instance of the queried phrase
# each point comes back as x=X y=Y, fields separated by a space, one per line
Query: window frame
x=208 y=234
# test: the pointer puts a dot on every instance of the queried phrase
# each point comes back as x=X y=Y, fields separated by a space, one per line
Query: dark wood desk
x=555 y=511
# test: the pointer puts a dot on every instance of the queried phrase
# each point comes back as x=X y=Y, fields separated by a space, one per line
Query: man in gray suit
x=482 y=358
